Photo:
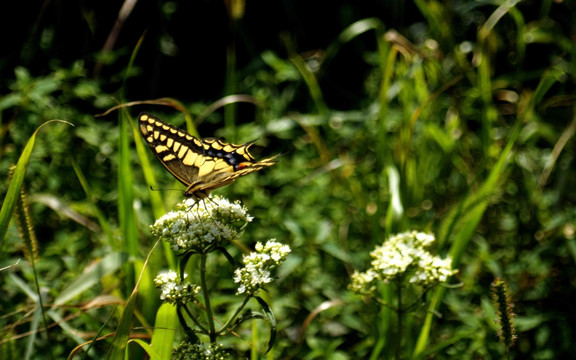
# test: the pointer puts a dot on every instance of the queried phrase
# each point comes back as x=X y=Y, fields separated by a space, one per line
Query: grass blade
x=104 y=223
x=122 y=334
x=109 y=264
x=16 y=183
x=475 y=206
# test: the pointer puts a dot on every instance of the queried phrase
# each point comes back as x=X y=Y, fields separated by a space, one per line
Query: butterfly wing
x=177 y=151
x=224 y=164
x=201 y=165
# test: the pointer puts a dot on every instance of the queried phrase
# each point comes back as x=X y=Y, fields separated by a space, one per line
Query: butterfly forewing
x=201 y=165
x=172 y=147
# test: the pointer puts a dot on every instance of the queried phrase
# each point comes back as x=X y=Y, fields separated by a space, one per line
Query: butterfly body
x=201 y=165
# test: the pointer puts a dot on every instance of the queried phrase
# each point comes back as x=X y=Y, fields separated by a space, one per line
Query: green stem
x=399 y=314
x=233 y=317
x=187 y=330
x=193 y=318
x=382 y=348
x=212 y=332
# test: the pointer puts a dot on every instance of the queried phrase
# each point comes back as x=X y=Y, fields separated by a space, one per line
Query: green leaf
x=271 y=321
x=164 y=331
x=227 y=255
x=154 y=355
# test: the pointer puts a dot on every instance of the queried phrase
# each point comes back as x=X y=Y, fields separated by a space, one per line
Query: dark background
x=57 y=33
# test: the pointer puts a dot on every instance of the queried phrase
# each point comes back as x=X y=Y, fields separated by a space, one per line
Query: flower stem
x=193 y=318
x=212 y=332
x=189 y=332
x=233 y=317
x=399 y=314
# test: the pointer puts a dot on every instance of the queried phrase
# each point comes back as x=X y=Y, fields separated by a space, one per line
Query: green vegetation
x=450 y=118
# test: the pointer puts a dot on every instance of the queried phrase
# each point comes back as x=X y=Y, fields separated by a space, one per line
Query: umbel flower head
x=258 y=266
x=175 y=291
x=403 y=257
x=201 y=226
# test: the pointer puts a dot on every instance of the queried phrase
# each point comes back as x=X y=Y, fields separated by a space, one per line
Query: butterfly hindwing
x=201 y=165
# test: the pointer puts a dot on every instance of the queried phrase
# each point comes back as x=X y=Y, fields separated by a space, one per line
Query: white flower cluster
x=189 y=351
x=175 y=291
x=258 y=265
x=363 y=282
x=403 y=256
x=202 y=225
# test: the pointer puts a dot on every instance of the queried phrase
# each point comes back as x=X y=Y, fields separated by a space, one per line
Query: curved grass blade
x=16 y=183
x=149 y=349
x=351 y=32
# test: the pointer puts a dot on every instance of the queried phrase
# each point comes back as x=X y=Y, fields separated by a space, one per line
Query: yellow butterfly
x=201 y=165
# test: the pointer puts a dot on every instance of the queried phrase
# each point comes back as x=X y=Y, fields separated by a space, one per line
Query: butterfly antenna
x=164 y=189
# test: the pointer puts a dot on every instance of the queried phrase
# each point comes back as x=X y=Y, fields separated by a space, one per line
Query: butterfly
x=201 y=165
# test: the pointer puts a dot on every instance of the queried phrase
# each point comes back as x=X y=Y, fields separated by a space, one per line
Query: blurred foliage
x=391 y=116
